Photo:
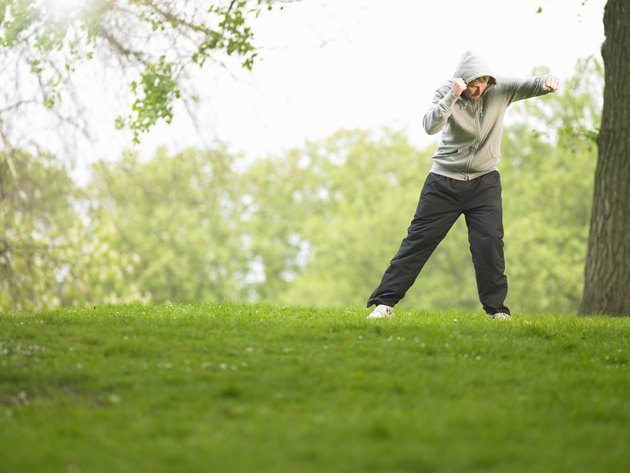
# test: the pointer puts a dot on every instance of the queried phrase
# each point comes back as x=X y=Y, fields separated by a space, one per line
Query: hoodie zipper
x=478 y=106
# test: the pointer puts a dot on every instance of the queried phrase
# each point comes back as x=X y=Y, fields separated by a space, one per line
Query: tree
x=607 y=274
x=179 y=220
x=154 y=43
x=35 y=210
x=49 y=255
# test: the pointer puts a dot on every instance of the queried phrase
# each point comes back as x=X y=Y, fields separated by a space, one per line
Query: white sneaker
x=381 y=312
x=500 y=316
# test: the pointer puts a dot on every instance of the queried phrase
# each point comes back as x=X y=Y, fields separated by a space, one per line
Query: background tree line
x=313 y=226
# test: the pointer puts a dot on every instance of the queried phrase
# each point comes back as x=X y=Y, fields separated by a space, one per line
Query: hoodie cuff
x=449 y=99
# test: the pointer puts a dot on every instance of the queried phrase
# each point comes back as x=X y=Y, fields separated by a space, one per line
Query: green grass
x=252 y=388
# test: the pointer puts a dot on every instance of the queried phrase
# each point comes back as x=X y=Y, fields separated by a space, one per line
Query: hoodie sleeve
x=442 y=108
x=520 y=89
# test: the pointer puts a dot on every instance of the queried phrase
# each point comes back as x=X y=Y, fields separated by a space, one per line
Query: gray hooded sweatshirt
x=472 y=130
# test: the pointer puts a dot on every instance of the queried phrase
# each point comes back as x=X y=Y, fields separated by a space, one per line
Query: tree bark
x=607 y=274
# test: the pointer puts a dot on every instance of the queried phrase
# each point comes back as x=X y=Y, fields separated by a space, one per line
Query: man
x=464 y=179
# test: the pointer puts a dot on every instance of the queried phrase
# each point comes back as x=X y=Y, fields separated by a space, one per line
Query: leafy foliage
x=34 y=206
x=179 y=218
x=158 y=41
x=49 y=255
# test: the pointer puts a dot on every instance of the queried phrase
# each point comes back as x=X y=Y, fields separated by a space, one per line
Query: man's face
x=476 y=88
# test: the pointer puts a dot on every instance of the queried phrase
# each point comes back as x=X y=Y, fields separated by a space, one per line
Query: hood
x=472 y=66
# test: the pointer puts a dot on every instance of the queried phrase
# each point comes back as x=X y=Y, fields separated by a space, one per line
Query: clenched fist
x=551 y=84
x=458 y=86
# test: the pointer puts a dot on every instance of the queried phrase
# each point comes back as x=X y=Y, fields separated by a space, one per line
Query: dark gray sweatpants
x=441 y=203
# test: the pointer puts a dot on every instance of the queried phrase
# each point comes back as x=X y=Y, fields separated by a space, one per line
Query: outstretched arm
x=524 y=88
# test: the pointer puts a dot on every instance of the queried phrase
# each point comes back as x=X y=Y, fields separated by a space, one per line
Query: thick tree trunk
x=607 y=276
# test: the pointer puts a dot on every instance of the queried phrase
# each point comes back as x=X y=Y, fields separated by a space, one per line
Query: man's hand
x=551 y=84
x=458 y=86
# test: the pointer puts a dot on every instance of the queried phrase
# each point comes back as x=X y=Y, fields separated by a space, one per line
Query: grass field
x=253 y=388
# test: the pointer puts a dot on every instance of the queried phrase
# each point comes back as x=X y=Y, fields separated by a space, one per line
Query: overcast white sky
x=331 y=64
